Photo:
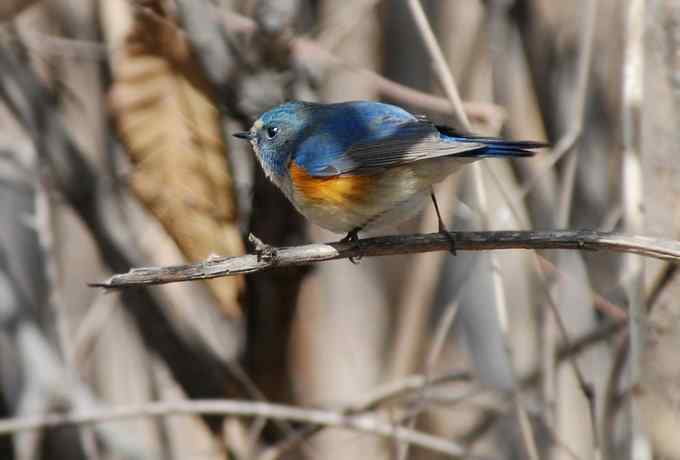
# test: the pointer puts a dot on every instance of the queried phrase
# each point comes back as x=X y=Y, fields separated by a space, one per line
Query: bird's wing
x=362 y=138
x=406 y=143
x=366 y=137
x=334 y=128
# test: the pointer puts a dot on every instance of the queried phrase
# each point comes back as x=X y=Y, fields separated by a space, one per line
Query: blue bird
x=361 y=165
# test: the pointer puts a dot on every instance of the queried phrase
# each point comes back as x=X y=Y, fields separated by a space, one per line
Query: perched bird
x=363 y=165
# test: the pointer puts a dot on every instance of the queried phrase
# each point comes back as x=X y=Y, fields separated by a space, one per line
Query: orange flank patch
x=340 y=191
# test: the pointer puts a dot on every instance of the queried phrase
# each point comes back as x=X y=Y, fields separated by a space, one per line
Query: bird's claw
x=352 y=237
x=265 y=252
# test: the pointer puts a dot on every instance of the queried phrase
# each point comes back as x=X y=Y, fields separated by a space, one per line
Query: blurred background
x=115 y=152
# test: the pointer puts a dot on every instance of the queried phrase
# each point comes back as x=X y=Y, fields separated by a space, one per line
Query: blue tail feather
x=495 y=146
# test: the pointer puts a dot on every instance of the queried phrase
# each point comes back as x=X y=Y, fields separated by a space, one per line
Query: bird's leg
x=352 y=236
x=442 y=227
x=264 y=251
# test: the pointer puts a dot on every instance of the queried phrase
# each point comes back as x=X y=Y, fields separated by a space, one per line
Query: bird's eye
x=272 y=131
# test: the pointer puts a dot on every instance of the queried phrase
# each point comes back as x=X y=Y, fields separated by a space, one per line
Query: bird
x=358 y=166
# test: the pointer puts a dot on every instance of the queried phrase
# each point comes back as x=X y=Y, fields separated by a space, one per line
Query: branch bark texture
x=399 y=244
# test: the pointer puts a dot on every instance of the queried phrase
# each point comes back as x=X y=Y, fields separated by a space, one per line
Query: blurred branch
x=565 y=145
x=397 y=244
x=439 y=62
x=11 y=8
x=600 y=303
x=47 y=383
x=633 y=214
x=399 y=389
x=660 y=282
x=380 y=396
x=306 y=50
x=363 y=423
x=479 y=112
x=303 y=49
x=36 y=109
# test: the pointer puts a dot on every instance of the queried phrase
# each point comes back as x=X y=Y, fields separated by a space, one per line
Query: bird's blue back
x=362 y=137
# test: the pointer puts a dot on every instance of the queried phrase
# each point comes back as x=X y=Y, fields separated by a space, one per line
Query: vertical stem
x=440 y=66
x=632 y=203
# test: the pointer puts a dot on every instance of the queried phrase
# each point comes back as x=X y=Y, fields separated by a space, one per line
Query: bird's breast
x=344 y=202
x=338 y=191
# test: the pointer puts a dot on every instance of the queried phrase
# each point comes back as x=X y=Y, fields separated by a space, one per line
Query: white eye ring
x=272 y=131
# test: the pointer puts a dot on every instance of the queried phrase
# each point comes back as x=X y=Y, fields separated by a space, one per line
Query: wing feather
x=412 y=142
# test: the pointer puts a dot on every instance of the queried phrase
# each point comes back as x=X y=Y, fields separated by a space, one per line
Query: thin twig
x=609 y=401
x=601 y=304
x=440 y=66
x=398 y=244
x=384 y=394
x=309 y=51
x=436 y=347
x=660 y=282
x=579 y=344
x=567 y=196
x=362 y=423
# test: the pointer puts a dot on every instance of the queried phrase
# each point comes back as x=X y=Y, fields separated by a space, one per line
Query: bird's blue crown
x=277 y=133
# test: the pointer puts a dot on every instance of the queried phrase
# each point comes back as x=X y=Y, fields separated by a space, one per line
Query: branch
x=397 y=244
x=306 y=50
x=364 y=423
x=493 y=115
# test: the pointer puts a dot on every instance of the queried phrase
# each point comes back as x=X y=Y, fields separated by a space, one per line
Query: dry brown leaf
x=172 y=135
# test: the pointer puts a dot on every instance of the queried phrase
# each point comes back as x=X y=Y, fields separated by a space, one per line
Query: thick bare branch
x=398 y=244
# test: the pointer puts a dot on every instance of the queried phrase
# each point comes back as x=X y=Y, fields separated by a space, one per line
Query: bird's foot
x=351 y=237
x=265 y=252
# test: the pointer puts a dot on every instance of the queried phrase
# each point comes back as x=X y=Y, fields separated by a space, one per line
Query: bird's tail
x=496 y=147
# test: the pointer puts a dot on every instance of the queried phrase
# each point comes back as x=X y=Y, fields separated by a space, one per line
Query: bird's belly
x=344 y=203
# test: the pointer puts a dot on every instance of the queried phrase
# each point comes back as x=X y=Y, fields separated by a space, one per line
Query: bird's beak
x=247 y=135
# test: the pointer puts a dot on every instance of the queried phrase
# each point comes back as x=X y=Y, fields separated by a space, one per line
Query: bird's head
x=275 y=135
